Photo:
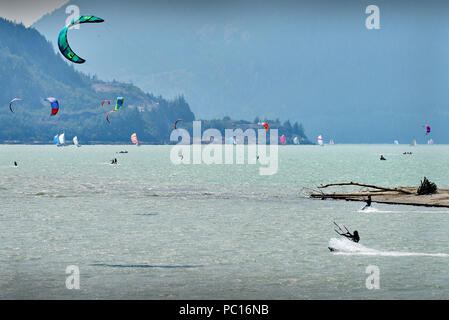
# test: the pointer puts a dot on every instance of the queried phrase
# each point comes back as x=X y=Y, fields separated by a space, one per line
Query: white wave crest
x=369 y=210
x=344 y=246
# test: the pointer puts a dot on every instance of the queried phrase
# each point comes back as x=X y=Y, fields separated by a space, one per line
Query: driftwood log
x=426 y=194
x=367 y=186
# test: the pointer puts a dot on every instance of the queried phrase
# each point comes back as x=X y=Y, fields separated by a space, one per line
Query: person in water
x=15 y=164
x=382 y=157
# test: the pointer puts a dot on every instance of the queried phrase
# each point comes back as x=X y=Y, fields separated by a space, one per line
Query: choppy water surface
x=148 y=229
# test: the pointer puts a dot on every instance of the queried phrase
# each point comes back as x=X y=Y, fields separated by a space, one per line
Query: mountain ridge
x=34 y=72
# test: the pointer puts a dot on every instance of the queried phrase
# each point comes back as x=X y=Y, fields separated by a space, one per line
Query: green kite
x=63 y=44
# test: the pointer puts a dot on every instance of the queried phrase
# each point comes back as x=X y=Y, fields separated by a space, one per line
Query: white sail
x=75 y=141
x=331 y=142
x=320 y=140
x=413 y=142
x=396 y=142
x=62 y=138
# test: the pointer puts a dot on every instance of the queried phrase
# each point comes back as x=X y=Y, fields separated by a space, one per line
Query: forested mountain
x=32 y=71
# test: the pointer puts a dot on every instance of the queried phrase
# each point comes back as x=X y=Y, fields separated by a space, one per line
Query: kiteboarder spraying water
x=353 y=237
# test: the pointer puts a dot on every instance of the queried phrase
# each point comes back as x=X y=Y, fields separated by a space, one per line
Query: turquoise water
x=149 y=229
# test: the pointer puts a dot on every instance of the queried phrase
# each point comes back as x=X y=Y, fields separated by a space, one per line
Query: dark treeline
x=32 y=71
x=284 y=128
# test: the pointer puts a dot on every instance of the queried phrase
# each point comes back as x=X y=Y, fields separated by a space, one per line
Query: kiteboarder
x=353 y=237
x=368 y=203
x=382 y=157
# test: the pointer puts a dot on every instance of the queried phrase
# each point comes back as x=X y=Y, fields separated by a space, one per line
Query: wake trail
x=348 y=247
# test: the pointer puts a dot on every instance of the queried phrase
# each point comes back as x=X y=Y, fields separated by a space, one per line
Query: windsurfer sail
x=134 y=139
x=320 y=140
x=283 y=139
x=75 y=141
x=59 y=139
x=62 y=139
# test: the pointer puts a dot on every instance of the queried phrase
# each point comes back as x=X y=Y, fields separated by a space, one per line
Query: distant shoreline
x=7 y=143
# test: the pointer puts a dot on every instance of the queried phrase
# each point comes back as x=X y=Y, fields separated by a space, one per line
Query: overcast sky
x=27 y=11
